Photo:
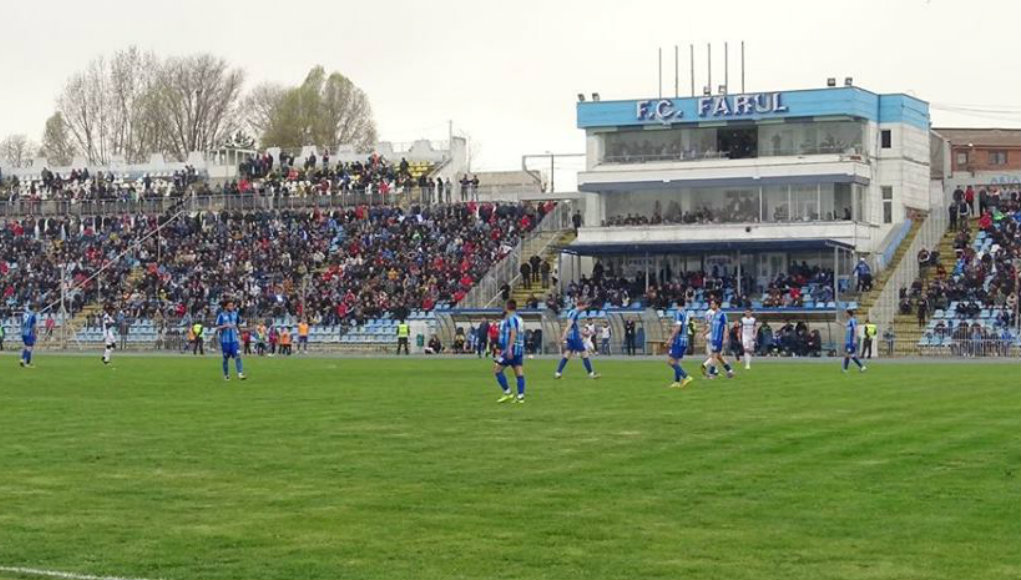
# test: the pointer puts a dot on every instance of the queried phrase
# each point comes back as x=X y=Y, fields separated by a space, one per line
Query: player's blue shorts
x=229 y=349
x=677 y=350
x=717 y=346
x=28 y=339
x=302 y=340
x=851 y=348
x=512 y=361
x=576 y=345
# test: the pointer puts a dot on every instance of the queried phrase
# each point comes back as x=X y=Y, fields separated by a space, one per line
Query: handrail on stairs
x=883 y=311
x=487 y=289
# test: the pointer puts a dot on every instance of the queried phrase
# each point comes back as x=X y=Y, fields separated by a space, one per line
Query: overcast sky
x=507 y=73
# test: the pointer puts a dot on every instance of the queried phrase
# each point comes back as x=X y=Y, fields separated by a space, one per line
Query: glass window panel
x=804 y=203
x=724 y=205
x=842 y=201
x=695 y=143
x=775 y=204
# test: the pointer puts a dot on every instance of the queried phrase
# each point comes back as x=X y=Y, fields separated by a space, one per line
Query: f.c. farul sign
x=668 y=111
x=741 y=105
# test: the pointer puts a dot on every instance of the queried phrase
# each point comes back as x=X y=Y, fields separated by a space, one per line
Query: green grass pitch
x=355 y=468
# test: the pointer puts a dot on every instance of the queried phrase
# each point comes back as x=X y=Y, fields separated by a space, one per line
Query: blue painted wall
x=844 y=101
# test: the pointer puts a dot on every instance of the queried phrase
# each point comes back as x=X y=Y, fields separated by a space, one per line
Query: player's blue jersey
x=28 y=319
x=512 y=323
x=851 y=336
x=719 y=327
x=574 y=332
x=228 y=335
x=681 y=320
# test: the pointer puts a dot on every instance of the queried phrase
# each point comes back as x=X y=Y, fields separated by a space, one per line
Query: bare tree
x=135 y=104
x=198 y=97
x=82 y=106
x=132 y=81
x=57 y=147
x=259 y=106
x=16 y=151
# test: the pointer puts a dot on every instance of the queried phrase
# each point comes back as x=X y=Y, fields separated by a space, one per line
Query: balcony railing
x=845 y=153
x=216 y=202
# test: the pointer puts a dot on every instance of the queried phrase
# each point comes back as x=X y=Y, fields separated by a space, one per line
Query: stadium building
x=750 y=182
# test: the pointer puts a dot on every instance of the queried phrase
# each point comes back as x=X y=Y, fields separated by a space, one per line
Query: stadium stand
x=340 y=269
x=965 y=301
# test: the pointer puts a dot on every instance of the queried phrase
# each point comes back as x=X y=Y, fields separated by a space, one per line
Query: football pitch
x=407 y=468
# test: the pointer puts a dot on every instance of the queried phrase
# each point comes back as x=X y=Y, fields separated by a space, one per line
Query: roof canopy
x=701 y=247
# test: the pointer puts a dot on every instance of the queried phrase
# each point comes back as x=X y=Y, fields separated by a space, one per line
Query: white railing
x=486 y=290
x=929 y=236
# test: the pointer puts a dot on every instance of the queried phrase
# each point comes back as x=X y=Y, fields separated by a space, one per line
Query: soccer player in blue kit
x=851 y=342
x=512 y=353
x=227 y=325
x=28 y=323
x=717 y=335
x=574 y=343
x=678 y=346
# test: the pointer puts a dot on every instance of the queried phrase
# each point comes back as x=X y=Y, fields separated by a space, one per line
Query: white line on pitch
x=59 y=574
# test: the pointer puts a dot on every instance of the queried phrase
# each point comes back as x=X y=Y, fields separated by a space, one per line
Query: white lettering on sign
x=662 y=110
x=726 y=106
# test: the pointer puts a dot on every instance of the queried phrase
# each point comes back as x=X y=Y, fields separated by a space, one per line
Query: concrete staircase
x=546 y=245
x=868 y=299
x=905 y=326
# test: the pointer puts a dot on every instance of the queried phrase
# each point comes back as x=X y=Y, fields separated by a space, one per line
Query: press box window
x=997 y=158
x=887 y=192
x=885 y=138
x=962 y=158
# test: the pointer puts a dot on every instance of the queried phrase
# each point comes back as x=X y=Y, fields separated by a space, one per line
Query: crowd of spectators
x=36 y=251
x=339 y=267
x=261 y=174
x=790 y=339
x=738 y=209
x=82 y=185
x=984 y=274
x=319 y=175
x=605 y=289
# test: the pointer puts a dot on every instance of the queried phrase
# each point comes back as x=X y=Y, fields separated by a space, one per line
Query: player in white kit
x=709 y=362
x=109 y=340
x=749 y=328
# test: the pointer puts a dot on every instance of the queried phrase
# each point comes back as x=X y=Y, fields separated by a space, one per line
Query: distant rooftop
x=981 y=137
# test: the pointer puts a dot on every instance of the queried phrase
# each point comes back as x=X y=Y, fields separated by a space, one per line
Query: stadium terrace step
x=867 y=300
x=546 y=245
x=905 y=326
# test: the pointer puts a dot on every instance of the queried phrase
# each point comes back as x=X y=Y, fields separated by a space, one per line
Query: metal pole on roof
x=691 y=49
x=742 y=66
x=709 y=67
x=660 y=67
x=677 y=89
x=726 y=66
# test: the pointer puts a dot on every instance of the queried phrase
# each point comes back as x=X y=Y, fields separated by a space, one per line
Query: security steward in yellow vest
x=870 y=331
x=403 y=332
x=197 y=340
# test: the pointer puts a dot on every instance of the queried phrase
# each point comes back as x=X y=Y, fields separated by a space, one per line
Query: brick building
x=983 y=150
